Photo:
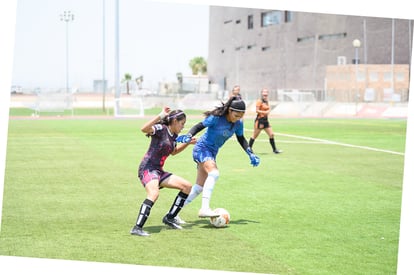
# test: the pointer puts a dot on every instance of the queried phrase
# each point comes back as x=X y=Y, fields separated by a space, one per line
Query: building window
x=238 y=21
x=387 y=76
x=228 y=21
x=288 y=16
x=399 y=77
x=249 y=47
x=306 y=38
x=332 y=36
x=250 y=22
x=266 y=48
x=373 y=76
x=360 y=76
x=272 y=18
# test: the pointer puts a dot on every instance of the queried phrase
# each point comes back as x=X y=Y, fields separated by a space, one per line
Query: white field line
x=311 y=140
x=324 y=141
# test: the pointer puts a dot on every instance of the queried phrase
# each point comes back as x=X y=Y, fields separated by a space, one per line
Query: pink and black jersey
x=161 y=146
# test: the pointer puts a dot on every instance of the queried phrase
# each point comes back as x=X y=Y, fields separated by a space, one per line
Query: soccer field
x=329 y=204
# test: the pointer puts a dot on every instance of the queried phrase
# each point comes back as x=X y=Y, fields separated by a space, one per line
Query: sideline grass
x=71 y=192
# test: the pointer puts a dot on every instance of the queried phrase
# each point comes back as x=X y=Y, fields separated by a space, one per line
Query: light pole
x=356 y=43
x=67 y=16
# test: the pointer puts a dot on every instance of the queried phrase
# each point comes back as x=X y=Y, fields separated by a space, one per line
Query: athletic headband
x=176 y=115
x=238 y=106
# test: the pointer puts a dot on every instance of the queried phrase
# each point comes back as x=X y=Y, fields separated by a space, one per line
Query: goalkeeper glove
x=254 y=160
x=184 y=138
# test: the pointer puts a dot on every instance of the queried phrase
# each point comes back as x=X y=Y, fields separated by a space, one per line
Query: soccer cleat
x=178 y=220
x=136 y=230
x=207 y=213
x=171 y=223
x=277 y=151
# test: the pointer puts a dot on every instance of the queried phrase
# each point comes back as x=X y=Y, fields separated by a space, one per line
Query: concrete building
x=285 y=50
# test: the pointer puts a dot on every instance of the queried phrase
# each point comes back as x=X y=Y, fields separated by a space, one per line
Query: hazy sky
x=156 y=40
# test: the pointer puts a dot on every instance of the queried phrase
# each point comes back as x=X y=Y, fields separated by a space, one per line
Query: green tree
x=127 y=78
x=198 y=65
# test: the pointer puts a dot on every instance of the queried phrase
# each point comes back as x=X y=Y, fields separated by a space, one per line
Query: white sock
x=195 y=191
x=208 y=188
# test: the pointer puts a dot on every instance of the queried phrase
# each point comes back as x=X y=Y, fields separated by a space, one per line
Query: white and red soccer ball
x=222 y=220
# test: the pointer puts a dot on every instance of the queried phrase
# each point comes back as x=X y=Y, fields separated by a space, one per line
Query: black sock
x=177 y=205
x=272 y=143
x=251 y=141
x=144 y=212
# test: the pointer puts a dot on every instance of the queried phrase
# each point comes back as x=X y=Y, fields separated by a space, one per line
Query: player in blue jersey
x=221 y=123
x=163 y=130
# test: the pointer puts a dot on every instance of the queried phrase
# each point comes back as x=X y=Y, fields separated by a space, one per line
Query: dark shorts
x=262 y=123
x=146 y=176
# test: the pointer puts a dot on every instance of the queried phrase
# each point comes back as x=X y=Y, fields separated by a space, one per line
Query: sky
x=156 y=40
x=29 y=62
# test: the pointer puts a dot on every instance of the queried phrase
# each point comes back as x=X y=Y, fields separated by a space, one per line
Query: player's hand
x=184 y=138
x=254 y=160
x=165 y=111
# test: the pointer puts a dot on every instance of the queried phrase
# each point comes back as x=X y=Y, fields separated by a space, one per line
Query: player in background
x=221 y=124
x=163 y=130
x=235 y=92
x=262 y=121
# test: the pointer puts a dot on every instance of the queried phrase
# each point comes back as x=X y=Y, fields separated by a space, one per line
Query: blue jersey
x=219 y=130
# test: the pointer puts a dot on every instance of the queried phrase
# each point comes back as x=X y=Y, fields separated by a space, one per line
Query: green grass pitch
x=71 y=192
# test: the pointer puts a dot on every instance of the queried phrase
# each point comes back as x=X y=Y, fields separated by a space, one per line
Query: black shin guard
x=144 y=212
x=177 y=205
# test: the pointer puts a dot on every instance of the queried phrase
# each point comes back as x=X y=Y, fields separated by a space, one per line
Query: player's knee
x=214 y=174
x=186 y=188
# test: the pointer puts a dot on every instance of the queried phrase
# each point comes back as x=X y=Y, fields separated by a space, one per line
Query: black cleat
x=172 y=223
x=139 y=232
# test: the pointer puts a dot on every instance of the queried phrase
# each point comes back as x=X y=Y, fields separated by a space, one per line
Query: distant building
x=368 y=83
x=285 y=50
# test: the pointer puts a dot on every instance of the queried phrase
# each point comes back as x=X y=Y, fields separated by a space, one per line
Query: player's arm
x=187 y=138
x=196 y=129
x=180 y=147
x=148 y=128
x=243 y=142
x=254 y=160
x=259 y=108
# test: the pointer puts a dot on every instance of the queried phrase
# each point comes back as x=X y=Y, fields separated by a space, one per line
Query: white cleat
x=207 y=213
x=178 y=220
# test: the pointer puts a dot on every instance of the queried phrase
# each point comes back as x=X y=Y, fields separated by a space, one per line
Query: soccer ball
x=221 y=221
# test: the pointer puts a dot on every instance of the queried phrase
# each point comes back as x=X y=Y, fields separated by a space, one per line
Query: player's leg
x=210 y=168
x=184 y=186
x=256 y=132
x=197 y=188
x=152 y=190
x=269 y=132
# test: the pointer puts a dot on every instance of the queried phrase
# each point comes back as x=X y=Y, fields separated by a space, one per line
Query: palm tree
x=127 y=78
x=198 y=65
